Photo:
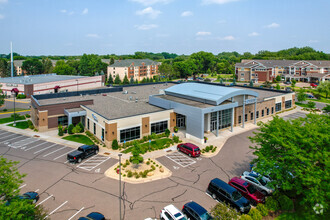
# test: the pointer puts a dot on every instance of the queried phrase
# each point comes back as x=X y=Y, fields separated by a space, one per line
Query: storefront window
x=62 y=120
x=278 y=106
x=158 y=127
x=130 y=134
x=288 y=104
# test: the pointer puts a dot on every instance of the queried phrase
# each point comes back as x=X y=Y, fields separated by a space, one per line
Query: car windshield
x=236 y=195
x=196 y=149
x=262 y=181
x=251 y=189
x=178 y=215
x=206 y=216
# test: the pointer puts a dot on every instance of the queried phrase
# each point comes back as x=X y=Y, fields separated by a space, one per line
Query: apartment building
x=136 y=68
x=267 y=70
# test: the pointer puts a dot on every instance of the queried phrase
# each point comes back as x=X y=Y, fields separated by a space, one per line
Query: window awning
x=15 y=90
x=57 y=87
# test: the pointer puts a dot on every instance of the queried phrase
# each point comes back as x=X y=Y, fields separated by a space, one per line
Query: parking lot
x=294 y=115
x=181 y=159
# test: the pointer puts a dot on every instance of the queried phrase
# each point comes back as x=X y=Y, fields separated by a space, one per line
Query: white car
x=171 y=212
x=259 y=181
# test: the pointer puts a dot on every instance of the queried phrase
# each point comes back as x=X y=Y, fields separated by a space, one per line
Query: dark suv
x=220 y=190
x=194 y=211
x=82 y=152
x=247 y=190
x=190 y=149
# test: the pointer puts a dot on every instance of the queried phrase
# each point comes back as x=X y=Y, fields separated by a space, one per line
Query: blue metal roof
x=212 y=94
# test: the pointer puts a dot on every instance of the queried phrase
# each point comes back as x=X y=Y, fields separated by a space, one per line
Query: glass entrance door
x=180 y=121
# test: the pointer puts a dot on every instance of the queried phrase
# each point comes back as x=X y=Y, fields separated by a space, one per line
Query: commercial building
x=136 y=68
x=128 y=113
x=49 y=83
x=267 y=70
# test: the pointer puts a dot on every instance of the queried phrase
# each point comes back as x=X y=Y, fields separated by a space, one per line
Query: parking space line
x=11 y=139
x=36 y=146
x=76 y=213
x=63 y=154
x=20 y=187
x=54 y=151
x=36 y=190
x=19 y=146
x=45 y=148
x=182 y=160
x=44 y=200
x=87 y=165
x=6 y=132
x=56 y=209
x=7 y=136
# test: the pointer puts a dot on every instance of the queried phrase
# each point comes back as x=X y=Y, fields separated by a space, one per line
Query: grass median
x=11 y=119
x=79 y=138
x=20 y=125
x=154 y=145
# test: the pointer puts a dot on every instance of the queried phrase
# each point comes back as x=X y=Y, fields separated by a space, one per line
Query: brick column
x=145 y=126
x=283 y=103
x=110 y=133
x=293 y=99
x=173 y=121
x=43 y=120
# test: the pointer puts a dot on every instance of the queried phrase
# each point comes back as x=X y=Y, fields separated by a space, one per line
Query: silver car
x=259 y=181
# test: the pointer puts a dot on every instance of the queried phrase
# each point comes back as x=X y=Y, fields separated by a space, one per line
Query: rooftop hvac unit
x=125 y=92
x=130 y=98
x=161 y=92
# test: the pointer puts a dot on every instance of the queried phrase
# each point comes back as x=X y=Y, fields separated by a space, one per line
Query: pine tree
x=117 y=79
x=125 y=81
x=112 y=61
x=136 y=81
x=110 y=80
x=131 y=80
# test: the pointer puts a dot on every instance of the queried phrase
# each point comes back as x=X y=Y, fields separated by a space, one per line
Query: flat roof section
x=185 y=101
x=262 y=93
x=36 y=79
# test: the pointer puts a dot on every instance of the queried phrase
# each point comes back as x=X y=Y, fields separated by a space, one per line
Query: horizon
x=72 y=28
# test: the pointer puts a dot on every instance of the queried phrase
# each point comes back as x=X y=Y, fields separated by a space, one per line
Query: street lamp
x=120 y=185
x=13 y=92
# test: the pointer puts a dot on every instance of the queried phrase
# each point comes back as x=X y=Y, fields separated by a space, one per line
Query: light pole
x=119 y=185
x=13 y=92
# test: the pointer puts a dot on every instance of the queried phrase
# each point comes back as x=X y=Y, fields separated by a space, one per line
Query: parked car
x=194 y=211
x=190 y=149
x=31 y=196
x=287 y=82
x=171 y=212
x=247 y=190
x=313 y=85
x=259 y=181
x=93 y=216
x=82 y=152
x=222 y=191
x=310 y=96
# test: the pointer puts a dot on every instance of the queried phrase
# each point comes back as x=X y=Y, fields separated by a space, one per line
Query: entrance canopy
x=206 y=93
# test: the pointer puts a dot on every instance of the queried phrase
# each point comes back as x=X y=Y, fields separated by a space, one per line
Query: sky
x=74 y=27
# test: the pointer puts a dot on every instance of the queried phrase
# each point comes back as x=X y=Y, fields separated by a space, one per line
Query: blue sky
x=74 y=27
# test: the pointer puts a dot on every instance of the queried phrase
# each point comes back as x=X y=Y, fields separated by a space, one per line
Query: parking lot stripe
x=86 y=165
x=46 y=148
x=56 y=209
x=8 y=136
x=36 y=146
x=54 y=151
x=22 y=186
x=19 y=146
x=76 y=213
x=63 y=154
x=11 y=139
x=36 y=190
x=45 y=200
x=20 y=141
x=6 y=132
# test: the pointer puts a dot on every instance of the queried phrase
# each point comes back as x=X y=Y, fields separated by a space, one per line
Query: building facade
x=267 y=70
x=136 y=68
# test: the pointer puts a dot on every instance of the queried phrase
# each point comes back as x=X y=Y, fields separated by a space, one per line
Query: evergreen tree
x=125 y=81
x=110 y=80
x=144 y=80
x=117 y=79
x=131 y=80
x=136 y=81
x=112 y=61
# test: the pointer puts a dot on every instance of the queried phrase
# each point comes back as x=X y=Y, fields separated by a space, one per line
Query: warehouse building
x=49 y=83
x=131 y=112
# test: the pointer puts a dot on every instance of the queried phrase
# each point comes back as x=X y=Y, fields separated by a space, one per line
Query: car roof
x=239 y=181
x=95 y=215
x=195 y=206
x=172 y=209
x=223 y=185
x=85 y=146
x=191 y=145
x=30 y=193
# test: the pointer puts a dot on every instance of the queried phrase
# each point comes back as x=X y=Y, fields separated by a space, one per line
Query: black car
x=93 y=216
x=31 y=196
x=82 y=152
x=222 y=191
x=194 y=211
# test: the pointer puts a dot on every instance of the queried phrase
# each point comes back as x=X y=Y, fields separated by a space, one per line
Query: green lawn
x=20 y=124
x=10 y=119
x=80 y=138
x=323 y=100
x=154 y=145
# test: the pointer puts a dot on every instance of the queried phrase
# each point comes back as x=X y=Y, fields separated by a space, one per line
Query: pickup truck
x=82 y=152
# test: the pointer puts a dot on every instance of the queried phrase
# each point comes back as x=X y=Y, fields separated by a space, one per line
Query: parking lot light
x=120 y=185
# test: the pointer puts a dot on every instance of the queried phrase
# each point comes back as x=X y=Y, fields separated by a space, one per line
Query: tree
x=112 y=60
x=61 y=68
x=91 y=64
x=295 y=153
x=251 y=83
x=293 y=83
x=2 y=97
x=278 y=87
x=47 y=65
x=311 y=104
x=125 y=80
x=223 y=211
x=32 y=66
x=3 y=67
x=117 y=80
x=114 y=144
x=267 y=84
x=326 y=109
x=136 y=81
x=324 y=87
x=278 y=78
x=70 y=129
x=110 y=80
x=131 y=81
x=301 y=96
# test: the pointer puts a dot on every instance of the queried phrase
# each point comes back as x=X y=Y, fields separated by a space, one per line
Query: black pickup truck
x=82 y=152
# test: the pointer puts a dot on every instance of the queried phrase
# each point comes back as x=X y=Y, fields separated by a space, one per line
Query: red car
x=247 y=190
x=313 y=85
x=190 y=149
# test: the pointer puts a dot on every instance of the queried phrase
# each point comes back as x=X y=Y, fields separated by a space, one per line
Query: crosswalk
x=181 y=159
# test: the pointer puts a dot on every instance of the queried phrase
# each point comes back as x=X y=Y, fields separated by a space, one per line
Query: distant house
x=136 y=68
x=267 y=70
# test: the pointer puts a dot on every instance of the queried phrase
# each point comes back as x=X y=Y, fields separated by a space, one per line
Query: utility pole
x=12 y=60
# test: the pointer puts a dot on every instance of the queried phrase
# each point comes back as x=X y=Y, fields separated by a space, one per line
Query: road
x=69 y=191
x=18 y=105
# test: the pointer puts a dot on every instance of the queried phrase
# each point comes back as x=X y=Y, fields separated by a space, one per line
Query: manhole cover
x=106 y=153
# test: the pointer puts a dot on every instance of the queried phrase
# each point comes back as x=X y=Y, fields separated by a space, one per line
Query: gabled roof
x=206 y=93
x=133 y=62
x=284 y=63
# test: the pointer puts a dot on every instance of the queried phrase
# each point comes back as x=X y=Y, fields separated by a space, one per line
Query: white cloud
x=85 y=11
x=150 y=12
x=187 y=13
x=3 y=1
x=203 y=33
x=151 y=2
x=93 y=35
x=229 y=38
x=313 y=41
x=219 y=2
x=146 y=26
x=63 y=11
x=2 y=16
x=254 y=34
x=272 y=25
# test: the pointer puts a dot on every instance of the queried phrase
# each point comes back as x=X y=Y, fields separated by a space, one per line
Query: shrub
x=285 y=202
x=15 y=115
x=70 y=129
x=176 y=129
x=148 y=163
x=176 y=139
x=255 y=214
x=129 y=174
x=211 y=147
x=81 y=126
x=153 y=167
x=272 y=204
x=311 y=104
x=60 y=130
x=114 y=144
x=262 y=209
x=207 y=149
x=167 y=132
x=4 y=110
x=224 y=211
x=245 y=217
x=27 y=116
x=30 y=124
x=21 y=96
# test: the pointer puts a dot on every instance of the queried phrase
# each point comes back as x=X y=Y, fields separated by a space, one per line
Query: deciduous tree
x=32 y=66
